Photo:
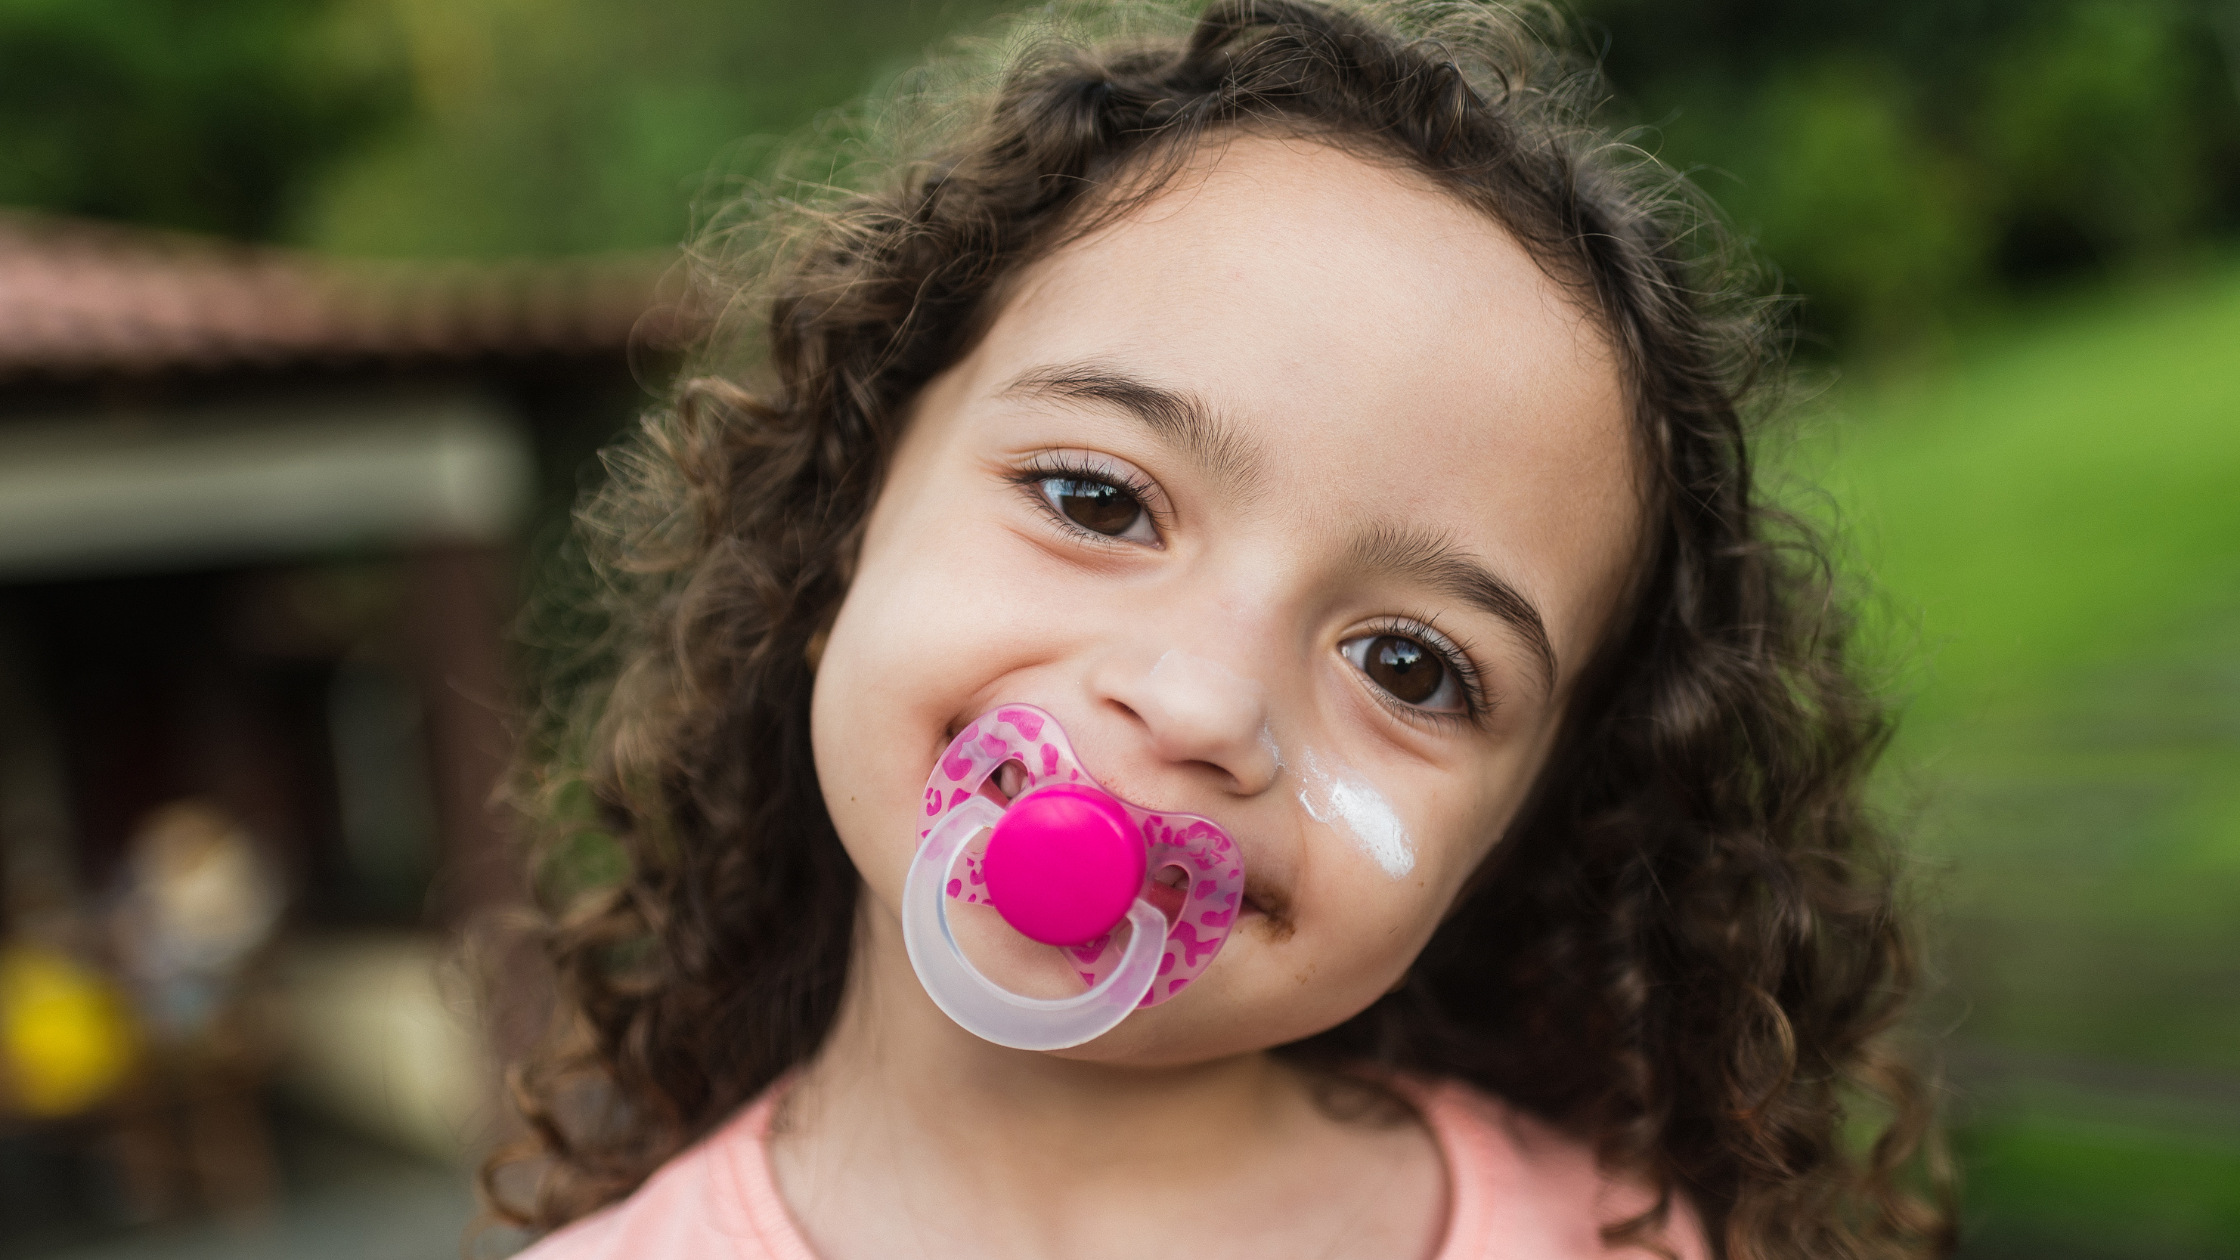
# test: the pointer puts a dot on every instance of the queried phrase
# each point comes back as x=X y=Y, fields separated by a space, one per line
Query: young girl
x=1225 y=690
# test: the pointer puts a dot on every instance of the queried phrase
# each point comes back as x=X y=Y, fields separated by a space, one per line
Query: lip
x=1267 y=902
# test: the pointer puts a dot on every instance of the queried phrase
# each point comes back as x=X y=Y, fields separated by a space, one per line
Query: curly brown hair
x=1685 y=950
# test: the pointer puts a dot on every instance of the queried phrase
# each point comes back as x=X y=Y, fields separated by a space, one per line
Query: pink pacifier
x=1071 y=866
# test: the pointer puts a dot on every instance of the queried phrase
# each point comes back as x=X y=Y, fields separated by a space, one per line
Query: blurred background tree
x=1909 y=164
x=210 y=116
x=554 y=126
x=428 y=128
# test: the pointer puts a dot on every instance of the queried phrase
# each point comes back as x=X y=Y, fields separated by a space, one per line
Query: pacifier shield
x=1064 y=864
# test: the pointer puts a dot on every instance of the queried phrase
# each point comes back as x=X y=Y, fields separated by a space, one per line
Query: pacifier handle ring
x=982 y=1006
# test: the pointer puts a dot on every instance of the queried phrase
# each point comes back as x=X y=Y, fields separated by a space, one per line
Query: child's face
x=1299 y=496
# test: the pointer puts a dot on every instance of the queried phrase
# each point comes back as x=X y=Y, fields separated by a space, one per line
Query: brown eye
x=1098 y=506
x=1404 y=668
x=1411 y=672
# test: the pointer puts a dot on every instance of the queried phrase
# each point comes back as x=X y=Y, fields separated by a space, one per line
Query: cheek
x=1375 y=934
x=1454 y=814
x=879 y=677
x=1362 y=928
x=932 y=631
x=1475 y=808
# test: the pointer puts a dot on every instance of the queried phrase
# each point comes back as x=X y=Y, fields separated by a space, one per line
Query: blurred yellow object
x=66 y=1037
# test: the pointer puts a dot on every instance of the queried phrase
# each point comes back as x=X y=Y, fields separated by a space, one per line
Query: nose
x=1196 y=709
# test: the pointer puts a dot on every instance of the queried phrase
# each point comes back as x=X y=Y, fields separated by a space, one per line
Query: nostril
x=1226 y=774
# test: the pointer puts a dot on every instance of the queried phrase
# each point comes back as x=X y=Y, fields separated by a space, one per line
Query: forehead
x=1392 y=352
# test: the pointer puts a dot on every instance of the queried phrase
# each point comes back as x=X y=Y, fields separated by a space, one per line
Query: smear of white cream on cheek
x=1340 y=800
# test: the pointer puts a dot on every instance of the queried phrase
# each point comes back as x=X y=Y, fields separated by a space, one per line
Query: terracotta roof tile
x=82 y=298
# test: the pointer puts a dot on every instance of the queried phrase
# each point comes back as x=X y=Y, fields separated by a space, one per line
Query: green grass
x=2058 y=1184
x=2053 y=531
x=2051 y=527
x=2069 y=495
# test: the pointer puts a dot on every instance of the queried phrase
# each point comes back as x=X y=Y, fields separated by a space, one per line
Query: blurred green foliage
x=423 y=127
x=210 y=116
x=1907 y=163
x=554 y=126
x=2059 y=1184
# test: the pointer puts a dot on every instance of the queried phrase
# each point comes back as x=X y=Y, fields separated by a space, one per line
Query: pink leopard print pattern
x=1212 y=887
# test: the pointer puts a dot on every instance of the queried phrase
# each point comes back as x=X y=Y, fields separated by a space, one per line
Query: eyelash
x=1046 y=465
x=1452 y=654
x=1455 y=656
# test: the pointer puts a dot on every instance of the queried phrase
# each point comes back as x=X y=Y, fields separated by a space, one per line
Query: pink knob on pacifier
x=1064 y=864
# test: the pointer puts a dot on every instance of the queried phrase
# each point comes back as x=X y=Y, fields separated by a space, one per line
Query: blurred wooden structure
x=260 y=520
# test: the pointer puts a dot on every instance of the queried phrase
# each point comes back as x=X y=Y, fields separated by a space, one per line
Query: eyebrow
x=1436 y=560
x=1179 y=417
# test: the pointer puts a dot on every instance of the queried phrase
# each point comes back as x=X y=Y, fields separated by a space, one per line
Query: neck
x=970 y=1149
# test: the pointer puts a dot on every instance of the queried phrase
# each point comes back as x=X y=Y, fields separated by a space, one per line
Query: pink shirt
x=1518 y=1191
